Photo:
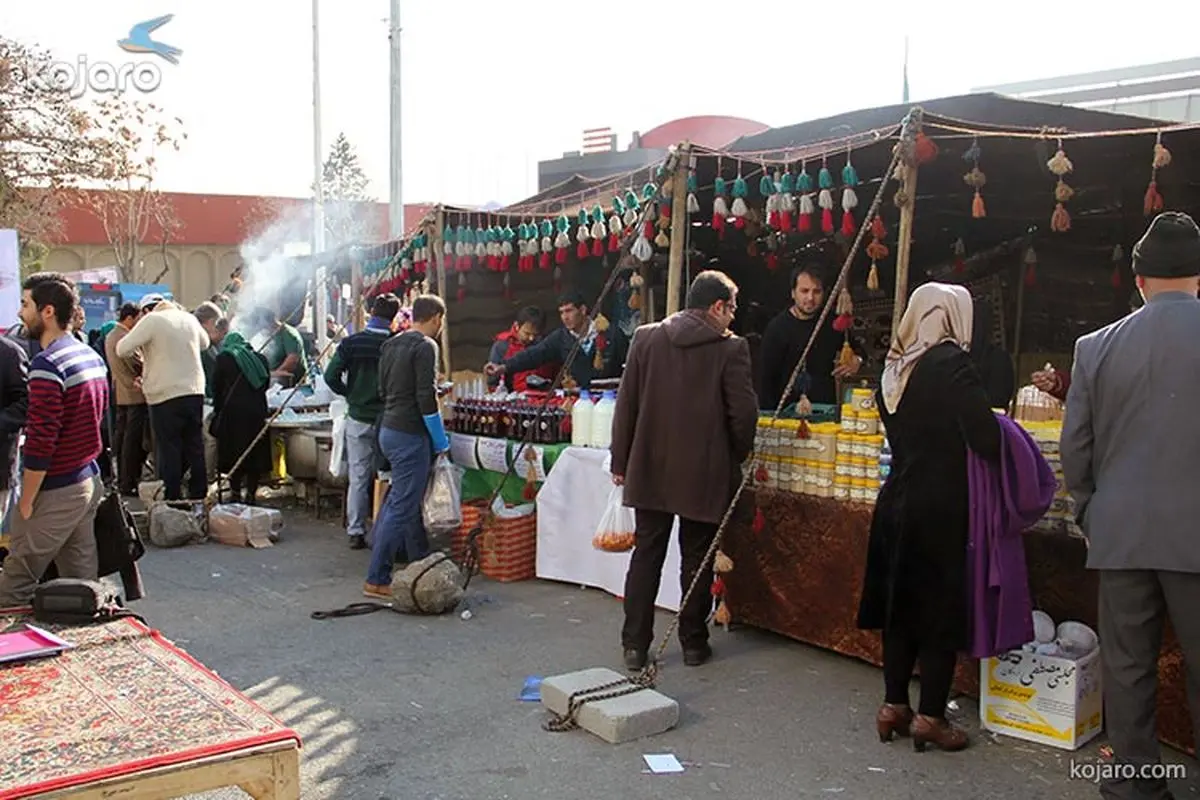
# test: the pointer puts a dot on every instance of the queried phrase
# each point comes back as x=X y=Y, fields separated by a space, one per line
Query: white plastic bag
x=442 y=507
x=616 y=531
x=337 y=456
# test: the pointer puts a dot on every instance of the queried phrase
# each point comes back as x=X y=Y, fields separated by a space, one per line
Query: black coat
x=915 y=579
x=239 y=413
x=14 y=402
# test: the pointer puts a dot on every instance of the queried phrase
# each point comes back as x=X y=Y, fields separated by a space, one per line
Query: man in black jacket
x=14 y=401
x=411 y=433
x=601 y=352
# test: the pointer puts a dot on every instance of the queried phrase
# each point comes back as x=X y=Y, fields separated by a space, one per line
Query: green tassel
x=804 y=182
x=583 y=221
x=660 y=172
x=849 y=175
x=631 y=201
x=547 y=228
x=522 y=231
x=692 y=182
x=649 y=191
x=448 y=235
x=788 y=183
x=480 y=236
x=739 y=187
x=563 y=223
x=618 y=206
x=766 y=186
x=464 y=235
x=597 y=214
x=719 y=187
x=825 y=178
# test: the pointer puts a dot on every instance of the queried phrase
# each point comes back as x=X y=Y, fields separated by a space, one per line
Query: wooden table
x=802 y=577
x=270 y=772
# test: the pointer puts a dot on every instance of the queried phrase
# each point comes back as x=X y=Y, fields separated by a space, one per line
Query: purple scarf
x=1005 y=500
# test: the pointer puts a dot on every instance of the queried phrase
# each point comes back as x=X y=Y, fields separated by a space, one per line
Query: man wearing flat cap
x=1131 y=459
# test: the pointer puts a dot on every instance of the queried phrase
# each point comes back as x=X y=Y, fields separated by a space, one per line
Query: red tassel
x=926 y=149
x=848 y=226
x=786 y=223
x=597 y=247
x=544 y=260
x=804 y=223
x=648 y=229
x=843 y=322
x=1030 y=277
x=718 y=222
x=802 y=431
x=529 y=492
x=614 y=243
x=739 y=223
x=827 y=220
x=493 y=263
x=582 y=251
x=772 y=262
x=761 y=475
x=773 y=220
x=877 y=229
x=560 y=255
x=760 y=521
x=718 y=586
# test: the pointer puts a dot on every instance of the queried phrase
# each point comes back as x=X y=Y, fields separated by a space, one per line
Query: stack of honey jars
x=1061 y=512
x=860 y=442
x=794 y=461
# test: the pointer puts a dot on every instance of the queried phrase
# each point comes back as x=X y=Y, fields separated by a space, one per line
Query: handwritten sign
x=462 y=451
x=530 y=454
x=493 y=454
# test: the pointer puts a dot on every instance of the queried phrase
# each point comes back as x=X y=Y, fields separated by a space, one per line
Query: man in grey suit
x=1131 y=458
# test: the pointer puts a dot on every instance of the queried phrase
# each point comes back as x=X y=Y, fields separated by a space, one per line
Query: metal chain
x=560 y=723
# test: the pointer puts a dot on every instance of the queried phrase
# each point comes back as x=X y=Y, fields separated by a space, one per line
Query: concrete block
x=645 y=712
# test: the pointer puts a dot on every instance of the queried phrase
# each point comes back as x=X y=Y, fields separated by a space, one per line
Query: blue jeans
x=399 y=528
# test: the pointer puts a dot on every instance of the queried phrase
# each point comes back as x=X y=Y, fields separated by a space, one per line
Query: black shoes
x=695 y=656
x=358 y=542
x=635 y=659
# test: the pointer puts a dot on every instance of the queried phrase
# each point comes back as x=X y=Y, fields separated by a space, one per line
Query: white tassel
x=582 y=235
x=739 y=207
x=787 y=202
x=693 y=205
x=631 y=218
x=447 y=248
x=615 y=226
x=530 y=247
x=642 y=250
x=719 y=207
x=598 y=229
x=849 y=199
x=506 y=248
x=806 y=204
x=460 y=249
x=773 y=203
x=481 y=249
x=563 y=240
x=825 y=199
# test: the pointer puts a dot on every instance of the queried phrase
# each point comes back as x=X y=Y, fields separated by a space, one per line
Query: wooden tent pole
x=435 y=241
x=357 y=312
x=904 y=248
x=679 y=222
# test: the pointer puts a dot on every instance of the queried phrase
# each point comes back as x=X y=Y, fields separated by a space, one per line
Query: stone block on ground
x=433 y=585
x=171 y=527
x=645 y=712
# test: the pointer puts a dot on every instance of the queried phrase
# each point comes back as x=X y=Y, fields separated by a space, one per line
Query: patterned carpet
x=123 y=701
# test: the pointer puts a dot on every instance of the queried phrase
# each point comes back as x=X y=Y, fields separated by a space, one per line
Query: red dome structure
x=711 y=132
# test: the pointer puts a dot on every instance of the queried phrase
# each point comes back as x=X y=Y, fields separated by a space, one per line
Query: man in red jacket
x=524 y=332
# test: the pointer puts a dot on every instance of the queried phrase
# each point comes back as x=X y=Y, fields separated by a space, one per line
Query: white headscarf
x=936 y=313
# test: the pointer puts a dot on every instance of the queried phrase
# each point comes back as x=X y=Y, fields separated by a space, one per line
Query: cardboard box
x=1046 y=699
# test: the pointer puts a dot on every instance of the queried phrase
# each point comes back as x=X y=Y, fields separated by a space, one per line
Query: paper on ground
x=663 y=764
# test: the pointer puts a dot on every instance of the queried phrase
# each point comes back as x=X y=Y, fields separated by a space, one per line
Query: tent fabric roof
x=977 y=110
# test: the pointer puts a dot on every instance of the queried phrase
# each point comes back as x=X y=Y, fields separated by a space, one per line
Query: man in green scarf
x=250 y=363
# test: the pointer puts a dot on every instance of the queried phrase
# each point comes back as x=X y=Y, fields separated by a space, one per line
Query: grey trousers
x=60 y=530
x=1134 y=604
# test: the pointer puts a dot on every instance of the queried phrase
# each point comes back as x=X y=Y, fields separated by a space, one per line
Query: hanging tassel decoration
x=481 y=246
x=1059 y=165
x=662 y=240
x=448 y=245
x=635 y=291
x=722 y=564
x=562 y=240
x=768 y=188
x=925 y=149
x=615 y=226
x=583 y=235
x=632 y=207
x=740 y=191
x=1118 y=255
x=1030 y=262
x=506 y=247
x=825 y=201
x=547 y=231
x=960 y=256
x=844 y=320
x=1153 y=202
x=693 y=204
x=720 y=207
x=873 y=278
x=642 y=250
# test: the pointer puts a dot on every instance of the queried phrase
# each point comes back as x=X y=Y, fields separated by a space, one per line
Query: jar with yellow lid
x=866 y=423
x=841 y=488
x=824 y=482
x=858 y=468
x=849 y=418
x=862 y=399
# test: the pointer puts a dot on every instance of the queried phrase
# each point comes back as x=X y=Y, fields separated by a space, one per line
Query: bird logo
x=140 y=41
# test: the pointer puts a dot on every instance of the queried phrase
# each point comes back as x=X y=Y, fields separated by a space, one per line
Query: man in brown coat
x=129 y=450
x=685 y=421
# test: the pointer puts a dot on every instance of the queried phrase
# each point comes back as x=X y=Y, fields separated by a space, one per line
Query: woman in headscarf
x=934 y=407
x=995 y=367
x=240 y=380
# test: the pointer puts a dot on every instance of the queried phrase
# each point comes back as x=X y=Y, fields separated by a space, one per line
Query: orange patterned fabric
x=125 y=700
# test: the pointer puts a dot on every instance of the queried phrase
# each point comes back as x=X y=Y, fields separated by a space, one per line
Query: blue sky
x=490 y=88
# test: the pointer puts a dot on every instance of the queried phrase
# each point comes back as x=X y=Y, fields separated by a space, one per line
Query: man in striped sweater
x=60 y=488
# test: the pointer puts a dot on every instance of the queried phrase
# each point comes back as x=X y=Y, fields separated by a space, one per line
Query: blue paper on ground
x=531 y=692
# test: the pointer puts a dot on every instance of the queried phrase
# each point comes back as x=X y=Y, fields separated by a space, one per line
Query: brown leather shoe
x=892 y=721
x=937 y=732
x=377 y=592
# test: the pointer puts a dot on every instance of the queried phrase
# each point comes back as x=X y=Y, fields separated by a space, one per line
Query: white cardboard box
x=1045 y=699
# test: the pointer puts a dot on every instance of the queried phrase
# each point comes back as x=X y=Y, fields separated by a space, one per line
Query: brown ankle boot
x=893 y=720
x=937 y=732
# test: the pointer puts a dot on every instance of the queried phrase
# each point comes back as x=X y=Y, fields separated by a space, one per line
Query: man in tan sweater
x=170 y=340
x=129 y=439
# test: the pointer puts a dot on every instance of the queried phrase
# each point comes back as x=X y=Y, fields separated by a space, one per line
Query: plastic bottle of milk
x=581 y=420
x=602 y=420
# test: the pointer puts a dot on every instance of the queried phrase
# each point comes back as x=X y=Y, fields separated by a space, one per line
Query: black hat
x=1170 y=248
